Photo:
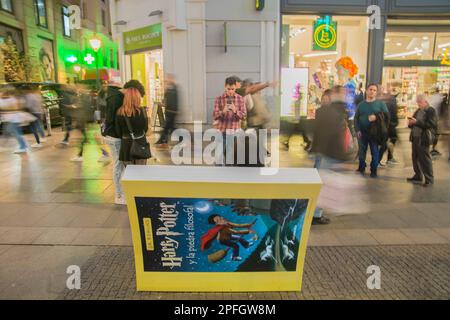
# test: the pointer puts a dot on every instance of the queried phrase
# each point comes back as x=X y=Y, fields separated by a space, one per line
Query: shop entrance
x=319 y=52
x=147 y=68
x=416 y=63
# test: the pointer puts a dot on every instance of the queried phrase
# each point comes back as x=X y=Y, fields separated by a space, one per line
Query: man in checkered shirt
x=229 y=111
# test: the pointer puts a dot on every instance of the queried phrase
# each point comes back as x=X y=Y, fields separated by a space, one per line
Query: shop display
x=346 y=71
x=407 y=83
x=325 y=59
x=294 y=98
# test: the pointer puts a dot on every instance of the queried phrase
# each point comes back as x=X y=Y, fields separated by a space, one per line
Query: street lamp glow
x=77 y=69
x=95 y=44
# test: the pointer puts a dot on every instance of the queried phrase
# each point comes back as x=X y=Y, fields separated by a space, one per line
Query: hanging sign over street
x=143 y=39
x=325 y=34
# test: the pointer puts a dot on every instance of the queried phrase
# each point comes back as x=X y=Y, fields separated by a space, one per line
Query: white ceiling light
x=296 y=32
x=403 y=54
x=399 y=44
x=444 y=45
x=425 y=38
x=319 y=54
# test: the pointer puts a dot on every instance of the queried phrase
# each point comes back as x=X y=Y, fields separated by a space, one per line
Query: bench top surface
x=222 y=174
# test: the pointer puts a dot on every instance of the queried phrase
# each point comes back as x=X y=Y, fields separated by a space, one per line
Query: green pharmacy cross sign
x=325 y=34
x=89 y=59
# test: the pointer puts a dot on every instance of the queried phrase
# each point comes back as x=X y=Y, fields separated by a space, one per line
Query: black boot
x=373 y=173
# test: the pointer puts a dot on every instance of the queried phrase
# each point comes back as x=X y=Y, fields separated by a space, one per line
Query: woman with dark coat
x=131 y=110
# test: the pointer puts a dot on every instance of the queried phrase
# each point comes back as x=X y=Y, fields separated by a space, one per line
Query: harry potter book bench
x=220 y=229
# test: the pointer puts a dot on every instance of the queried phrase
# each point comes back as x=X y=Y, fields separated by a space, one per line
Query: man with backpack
x=371 y=124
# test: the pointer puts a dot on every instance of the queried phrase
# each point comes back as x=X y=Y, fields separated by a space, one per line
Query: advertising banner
x=220 y=229
x=211 y=235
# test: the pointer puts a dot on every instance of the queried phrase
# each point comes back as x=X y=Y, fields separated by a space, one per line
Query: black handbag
x=140 y=148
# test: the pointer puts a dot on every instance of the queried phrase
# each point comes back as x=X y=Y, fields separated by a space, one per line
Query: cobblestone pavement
x=407 y=272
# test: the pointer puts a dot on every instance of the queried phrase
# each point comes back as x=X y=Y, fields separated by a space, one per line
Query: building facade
x=307 y=45
x=201 y=42
x=41 y=30
x=401 y=44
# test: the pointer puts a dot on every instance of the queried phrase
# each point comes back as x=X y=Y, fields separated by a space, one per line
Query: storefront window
x=442 y=46
x=409 y=46
x=406 y=83
x=317 y=53
x=418 y=66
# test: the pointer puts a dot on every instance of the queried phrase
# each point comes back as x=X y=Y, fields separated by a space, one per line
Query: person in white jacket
x=14 y=117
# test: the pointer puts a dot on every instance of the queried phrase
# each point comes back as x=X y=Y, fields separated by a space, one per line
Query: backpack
x=378 y=131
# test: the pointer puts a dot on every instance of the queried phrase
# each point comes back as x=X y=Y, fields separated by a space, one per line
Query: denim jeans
x=16 y=130
x=365 y=143
x=228 y=148
x=38 y=128
x=118 y=167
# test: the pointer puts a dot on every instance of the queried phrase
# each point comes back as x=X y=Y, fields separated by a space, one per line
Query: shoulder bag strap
x=127 y=120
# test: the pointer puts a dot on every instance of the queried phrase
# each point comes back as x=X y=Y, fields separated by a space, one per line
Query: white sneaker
x=77 y=159
x=37 y=145
x=64 y=143
x=104 y=159
x=43 y=140
x=393 y=162
x=121 y=201
x=19 y=151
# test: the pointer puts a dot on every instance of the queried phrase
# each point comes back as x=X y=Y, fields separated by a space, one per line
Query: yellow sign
x=148 y=231
x=445 y=60
x=325 y=34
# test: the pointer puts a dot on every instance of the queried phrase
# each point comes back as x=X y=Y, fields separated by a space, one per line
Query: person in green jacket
x=365 y=116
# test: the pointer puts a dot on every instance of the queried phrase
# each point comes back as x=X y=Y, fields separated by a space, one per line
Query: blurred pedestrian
x=423 y=125
x=99 y=117
x=68 y=105
x=371 y=114
x=171 y=109
x=80 y=115
x=33 y=104
x=131 y=121
x=114 y=100
x=435 y=101
x=359 y=94
x=13 y=114
x=391 y=102
x=324 y=138
x=330 y=127
x=445 y=112
x=258 y=115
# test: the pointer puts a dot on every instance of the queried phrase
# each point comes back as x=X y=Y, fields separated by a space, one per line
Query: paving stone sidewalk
x=407 y=272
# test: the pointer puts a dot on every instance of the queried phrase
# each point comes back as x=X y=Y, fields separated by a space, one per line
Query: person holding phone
x=423 y=126
x=229 y=111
